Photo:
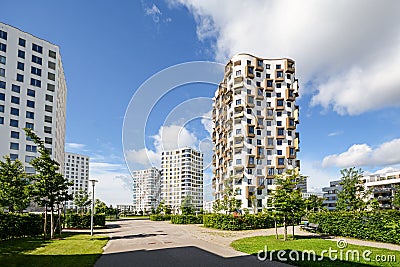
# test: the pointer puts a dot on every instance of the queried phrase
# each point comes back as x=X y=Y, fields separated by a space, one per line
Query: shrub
x=242 y=222
x=381 y=226
x=160 y=217
x=186 y=219
x=13 y=225
x=82 y=221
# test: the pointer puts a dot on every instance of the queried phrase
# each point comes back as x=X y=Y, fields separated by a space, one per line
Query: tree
x=187 y=206
x=287 y=201
x=314 y=203
x=353 y=194
x=82 y=199
x=14 y=185
x=50 y=187
x=100 y=207
x=396 y=197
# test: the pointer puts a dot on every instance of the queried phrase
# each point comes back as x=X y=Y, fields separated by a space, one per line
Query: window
x=29 y=158
x=279 y=74
x=249 y=121
x=21 y=42
x=269 y=83
x=238 y=131
x=14 y=146
x=15 y=99
x=37 y=48
x=14 y=111
x=248 y=82
x=52 y=65
x=248 y=111
x=258 y=142
x=15 y=88
x=29 y=125
x=14 y=135
x=2 y=72
x=238 y=72
x=3 y=60
x=48 y=119
x=20 y=65
x=3 y=47
x=249 y=141
x=49 y=98
x=1 y=120
x=51 y=76
x=258 y=74
x=21 y=54
x=37 y=60
x=278 y=123
x=281 y=131
x=20 y=77
x=30 y=92
x=279 y=102
x=36 y=83
x=3 y=35
x=2 y=108
x=30 y=148
x=238 y=161
x=30 y=115
x=52 y=54
x=30 y=103
x=278 y=85
x=36 y=71
x=281 y=161
x=260 y=121
x=48 y=140
x=279 y=113
x=279 y=142
x=13 y=156
x=267 y=66
x=2 y=85
x=258 y=103
x=47 y=129
x=278 y=66
x=270 y=141
x=238 y=101
x=51 y=87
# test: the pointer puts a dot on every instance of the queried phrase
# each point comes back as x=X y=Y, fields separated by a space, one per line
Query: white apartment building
x=76 y=170
x=125 y=208
x=330 y=194
x=383 y=187
x=182 y=177
x=254 y=127
x=146 y=189
x=32 y=95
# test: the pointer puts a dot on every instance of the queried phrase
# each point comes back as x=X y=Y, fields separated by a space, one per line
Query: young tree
x=14 y=185
x=50 y=188
x=353 y=193
x=187 y=206
x=314 y=203
x=82 y=200
x=286 y=199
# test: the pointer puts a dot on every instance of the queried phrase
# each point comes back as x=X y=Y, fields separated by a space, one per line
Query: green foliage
x=314 y=203
x=186 y=219
x=396 y=198
x=18 y=225
x=82 y=199
x=380 y=225
x=187 y=206
x=82 y=221
x=14 y=185
x=238 y=222
x=160 y=217
x=353 y=193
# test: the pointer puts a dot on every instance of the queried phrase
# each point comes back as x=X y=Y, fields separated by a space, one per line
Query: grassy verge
x=72 y=250
x=295 y=248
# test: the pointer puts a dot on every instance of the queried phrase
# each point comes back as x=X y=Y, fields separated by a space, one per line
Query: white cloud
x=318 y=177
x=363 y=155
x=74 y=146
x=349 y=51
x=207 y=122
x=335 y=133
x=154 y=10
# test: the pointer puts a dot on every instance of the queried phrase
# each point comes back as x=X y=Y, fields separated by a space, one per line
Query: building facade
x=182 y=178
x=254 y=127
x=32 y=95
x=146 y=189
x=76 y=170
x=383 y=187
x=330 y=194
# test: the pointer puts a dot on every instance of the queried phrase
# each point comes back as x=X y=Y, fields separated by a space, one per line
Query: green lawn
x=252 y=245
x=73 y=250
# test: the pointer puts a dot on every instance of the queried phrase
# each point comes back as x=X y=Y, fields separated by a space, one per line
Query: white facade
x=32 y=95
x=76 y=170
x=383 y=187
x=146 y=189
x=208 y=206
x=254 y=128
x=330 y=194
x=182 y=176
x=125 y=208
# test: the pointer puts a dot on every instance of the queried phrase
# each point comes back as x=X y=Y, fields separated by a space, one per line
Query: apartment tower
x=76 y=170
x=254 y=128
x=182 y=178
x=146 y=189
x=32 y=95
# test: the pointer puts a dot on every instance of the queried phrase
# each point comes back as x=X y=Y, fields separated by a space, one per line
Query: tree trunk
x=276 y=229
x=45 y=221
x=284 y=228
x=51 y=223
x=59 y=219
x=293 y=228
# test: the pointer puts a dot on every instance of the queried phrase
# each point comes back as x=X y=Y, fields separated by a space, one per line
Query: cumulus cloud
x=347 y=51
x=364 y=155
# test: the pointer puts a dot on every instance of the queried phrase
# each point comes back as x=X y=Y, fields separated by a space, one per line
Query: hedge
x=242 y=222
x=381 y=226
x=82 y=221
x=186 y=219
x=13 y=225
x=160 y=217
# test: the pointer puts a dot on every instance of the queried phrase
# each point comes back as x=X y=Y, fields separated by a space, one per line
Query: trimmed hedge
x=242 y=222
x=82 y=221
x=13 y=225
x=160 y=217
x=381 y=226
x=186 y=219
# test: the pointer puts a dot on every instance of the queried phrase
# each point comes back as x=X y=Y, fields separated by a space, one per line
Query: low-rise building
x=330 y=194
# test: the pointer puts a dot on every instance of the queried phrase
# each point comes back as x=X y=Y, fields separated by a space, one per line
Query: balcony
x=290 y=96
x=290 y=123
x=268 y=85
x=279 y=104
x=289 y=66
x=249 y=71
x=250 y=160
x=290 y=152
x=228 y=68
x=239 y=108
x=238 y=115
x=279 y=77
x=238 y=144
x=296 y=114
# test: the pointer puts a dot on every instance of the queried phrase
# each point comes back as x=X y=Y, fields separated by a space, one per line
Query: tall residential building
x=76 y=170
x=182 y=178
x=254 y=127
x=32 y=95
x=383 y=187
x=146 y=189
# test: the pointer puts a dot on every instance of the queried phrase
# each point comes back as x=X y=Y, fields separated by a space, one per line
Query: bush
x=242 y=222
x=82 y=221
x=186 y=219
x=160 y=217
x=13 y=225
x=381 y=226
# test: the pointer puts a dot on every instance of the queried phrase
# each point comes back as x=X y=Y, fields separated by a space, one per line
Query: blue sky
x=347 y=61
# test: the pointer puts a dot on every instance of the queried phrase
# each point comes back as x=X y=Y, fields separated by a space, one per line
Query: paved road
x=147 y=243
